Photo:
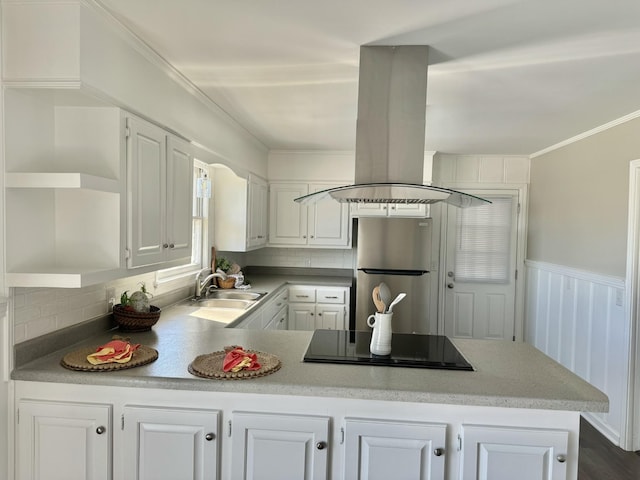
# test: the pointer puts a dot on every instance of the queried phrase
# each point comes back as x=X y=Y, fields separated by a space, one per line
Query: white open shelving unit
x=65 y=188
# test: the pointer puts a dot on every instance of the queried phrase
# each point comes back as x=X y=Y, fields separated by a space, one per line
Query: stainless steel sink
x=223 y=303
x=233 y=295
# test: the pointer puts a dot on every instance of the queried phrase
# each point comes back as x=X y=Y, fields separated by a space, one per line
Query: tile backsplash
x=38 y=311
x=302 y=257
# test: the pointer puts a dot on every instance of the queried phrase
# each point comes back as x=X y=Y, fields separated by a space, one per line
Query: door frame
x=522 y=193
x=630 y=436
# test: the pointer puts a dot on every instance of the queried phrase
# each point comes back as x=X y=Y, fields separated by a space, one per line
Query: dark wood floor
x=601 y=460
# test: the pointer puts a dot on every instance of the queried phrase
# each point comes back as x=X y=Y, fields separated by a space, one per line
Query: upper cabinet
x=64 y=178
x=160 y=192
x=239 y=211
x=389 y=210
x=324 y=224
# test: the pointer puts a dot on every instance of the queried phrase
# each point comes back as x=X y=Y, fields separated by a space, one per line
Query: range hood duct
x=392 y=101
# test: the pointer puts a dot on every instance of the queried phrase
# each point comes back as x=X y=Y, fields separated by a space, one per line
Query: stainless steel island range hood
x=390 y=134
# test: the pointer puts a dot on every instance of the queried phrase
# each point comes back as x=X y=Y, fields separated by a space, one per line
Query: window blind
x=483 y=247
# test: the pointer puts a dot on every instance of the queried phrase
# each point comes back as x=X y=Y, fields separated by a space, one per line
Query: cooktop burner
x=407 y=350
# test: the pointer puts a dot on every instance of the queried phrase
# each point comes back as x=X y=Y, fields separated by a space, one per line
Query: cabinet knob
x=312 y=236
x=438 y=452
x=321 y=445
x=210 y=436
x=100 y=430
x=171 y=245
x=304 y=236
x=561 y=458
x=320 y=314
x=450 y=285
x=165 y=245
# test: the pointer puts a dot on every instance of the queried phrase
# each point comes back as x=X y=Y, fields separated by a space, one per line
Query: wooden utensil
x=380 y=305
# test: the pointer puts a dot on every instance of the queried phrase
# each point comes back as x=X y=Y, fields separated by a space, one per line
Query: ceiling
x=505 y=76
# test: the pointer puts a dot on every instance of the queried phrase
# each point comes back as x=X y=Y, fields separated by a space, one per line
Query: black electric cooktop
x=407 y=350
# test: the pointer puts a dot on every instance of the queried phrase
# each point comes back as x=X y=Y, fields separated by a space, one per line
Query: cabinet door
x=330 y=317
x=147 y=178
x=63 y=441
x=287 y=219
x=369 y=209
x=302 y=316
x=170 y=444
x=328 y=221
x=381 y=450
x=179 y=199
x=407 y=210
x=504 y=453
x=279 y=447
x=258 y=201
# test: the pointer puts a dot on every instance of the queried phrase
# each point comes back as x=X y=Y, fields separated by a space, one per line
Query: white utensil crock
x=381 y=337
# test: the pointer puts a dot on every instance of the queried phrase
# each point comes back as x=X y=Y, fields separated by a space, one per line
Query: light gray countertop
x=507 y=374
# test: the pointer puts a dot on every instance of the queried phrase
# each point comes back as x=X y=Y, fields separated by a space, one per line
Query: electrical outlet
x=111 y=298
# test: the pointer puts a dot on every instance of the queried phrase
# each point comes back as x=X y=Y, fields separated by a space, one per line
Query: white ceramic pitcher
x=381 y=337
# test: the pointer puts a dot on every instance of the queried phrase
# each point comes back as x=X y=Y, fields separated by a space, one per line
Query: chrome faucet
x=201 y=283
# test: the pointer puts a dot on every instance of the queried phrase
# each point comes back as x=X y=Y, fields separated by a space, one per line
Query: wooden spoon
x=380 y=305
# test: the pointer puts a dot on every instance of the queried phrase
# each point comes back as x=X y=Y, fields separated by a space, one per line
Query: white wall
x=578 y=319
x=311 y=166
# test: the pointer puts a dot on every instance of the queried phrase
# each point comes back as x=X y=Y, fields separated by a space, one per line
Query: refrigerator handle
x=391 y=271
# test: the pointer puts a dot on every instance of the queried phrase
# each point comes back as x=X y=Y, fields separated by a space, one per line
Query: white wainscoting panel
x=578 y=319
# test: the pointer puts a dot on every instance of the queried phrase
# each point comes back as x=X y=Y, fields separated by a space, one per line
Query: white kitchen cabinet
x=239 y=210
x=258 y=212
x=170 y=443
x=418 y=210
x=160 y=189
x=279 y=446
x=505 y=453
x=376 y=449
x=324 y=224
x=65 y=189
x=312 y=307
x=63 y=441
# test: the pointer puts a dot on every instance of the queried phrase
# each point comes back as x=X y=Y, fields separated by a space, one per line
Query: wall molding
x=588 y=133
x=579 y=319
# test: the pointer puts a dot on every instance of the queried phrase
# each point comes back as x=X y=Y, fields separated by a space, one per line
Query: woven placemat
x=210 y=366
x=77 y=360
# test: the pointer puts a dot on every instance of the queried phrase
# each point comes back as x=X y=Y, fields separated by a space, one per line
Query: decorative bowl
x=131 y=321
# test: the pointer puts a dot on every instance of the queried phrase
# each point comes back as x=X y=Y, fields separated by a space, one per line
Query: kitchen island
x=308 y=420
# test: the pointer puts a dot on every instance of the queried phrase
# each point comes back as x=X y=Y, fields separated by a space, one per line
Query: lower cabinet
x=178 y=435
x=379 y=450
x=170 y=443
x=311 y=308
x=279 y=447
x=505 y=453
x=63 y=441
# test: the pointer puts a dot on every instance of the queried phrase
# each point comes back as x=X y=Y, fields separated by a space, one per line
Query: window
x=483 y=242
x=199 y=228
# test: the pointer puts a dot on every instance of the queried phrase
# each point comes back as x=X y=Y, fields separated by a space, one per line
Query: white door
x=330 y=317
x=503 y=453
x=287 y=219
x=279 y=447
x=170 y=444
x=381 y=450
x=328 y=220
x=480 y=269
x=302 y=316
x=63 y=441
x=179 y=199
x=147 y=179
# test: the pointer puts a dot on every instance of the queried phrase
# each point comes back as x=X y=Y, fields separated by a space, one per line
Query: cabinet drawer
x=274 y=306
x=331 y=295
x=302 y=294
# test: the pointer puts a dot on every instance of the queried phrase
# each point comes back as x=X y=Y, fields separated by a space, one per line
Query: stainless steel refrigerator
x=396 y=251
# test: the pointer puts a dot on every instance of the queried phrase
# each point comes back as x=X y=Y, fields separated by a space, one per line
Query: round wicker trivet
x=210 y=366
x=77 y=360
